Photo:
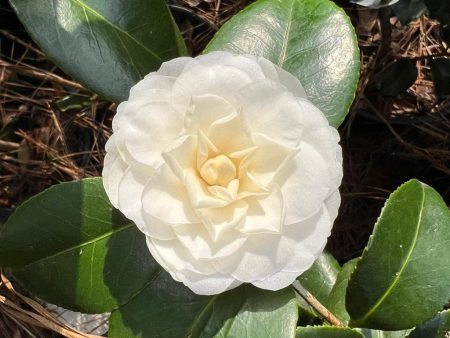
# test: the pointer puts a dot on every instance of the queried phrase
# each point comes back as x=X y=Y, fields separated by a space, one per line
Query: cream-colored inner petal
x=226 y=171
x=218 y=171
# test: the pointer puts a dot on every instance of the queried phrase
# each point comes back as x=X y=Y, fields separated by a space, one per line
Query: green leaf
x=367 y=333
x=106 y=45
x=320 y=278
x=398 y=77
x=68 y=246
x=409 y=10
x=440 y=73
x=72 y=103
x=336 y=300
x=327 y=331
x=402 y=277
x=438 y=327
x=312 y=39
x=439 y=10
x=168 y=309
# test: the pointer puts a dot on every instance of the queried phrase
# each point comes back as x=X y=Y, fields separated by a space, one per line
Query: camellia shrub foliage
x=220 y=184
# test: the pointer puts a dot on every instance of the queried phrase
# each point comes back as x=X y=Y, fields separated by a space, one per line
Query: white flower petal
x=272 y=111
x=182 y=155
x=205 y=149
x=219 y=220
x=175 y=257
x=151 y=131
x=164 y=197
x=157 y=229
x=152 y=81
x=228 y=193
x=212 y=285
x=268 y=159
x=306 y=241
x=258 y=260
x=277 y=281
x=196 y=239
x=204 y=110
x=242 y=62
x=131 y=187
x=300 y=246
x=113 y=170
x=265 y=214
x=153 y=88
x=305 y=184
x=277 y=74
x=230 y=134
x=332 y=204
x=198 y=193
x=220 y=80
x=174 y=67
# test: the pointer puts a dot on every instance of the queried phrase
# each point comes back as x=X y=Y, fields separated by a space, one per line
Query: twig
x=8 y=146
x=38 y=73
x=322 y=310
x=21 y=42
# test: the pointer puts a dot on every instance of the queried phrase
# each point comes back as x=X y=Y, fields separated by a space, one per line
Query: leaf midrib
x=81 y=245
x=94 y=12
x=282 y=57
x=200 y=315
x=405 y=263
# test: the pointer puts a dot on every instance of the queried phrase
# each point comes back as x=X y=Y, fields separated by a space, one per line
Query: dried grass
x=25 y=316
x=387 y=141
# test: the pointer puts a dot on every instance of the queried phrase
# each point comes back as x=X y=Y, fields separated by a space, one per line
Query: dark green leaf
x=336 y=300
x=440 y=72
x=409 y=10
x=312 y=39
x=69 y=246
x=402 y=277
x=398 y=77
x=320 y=278
x=439 y=9
x=106 y=45
x=438 y=327
x=168 y=309
x=327 y=332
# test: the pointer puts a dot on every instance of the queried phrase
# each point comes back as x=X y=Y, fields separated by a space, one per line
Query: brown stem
x=322 y=310
x=386 y=31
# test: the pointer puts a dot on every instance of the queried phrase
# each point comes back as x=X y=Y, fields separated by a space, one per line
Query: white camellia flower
x=229 y=171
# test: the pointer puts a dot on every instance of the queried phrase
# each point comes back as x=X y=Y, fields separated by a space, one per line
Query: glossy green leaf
x=68 y=246
x=440 y=73
x=168 y=309
x=312 y=39
x=106 y=45
x=327 y=332
x=320 y=278
x=438 y=327
x=402 y=277
x=398 y=77
x=336 y=300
